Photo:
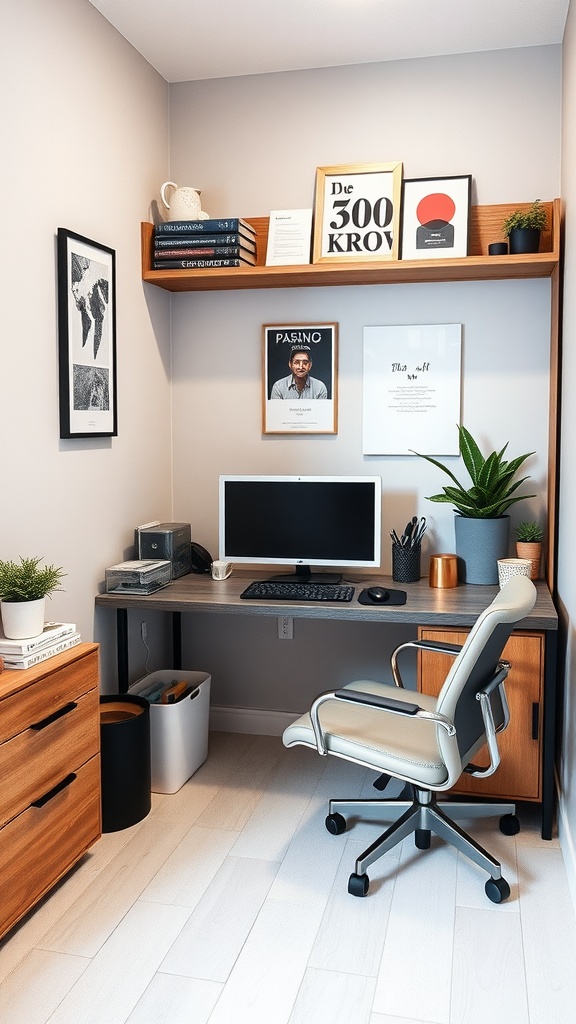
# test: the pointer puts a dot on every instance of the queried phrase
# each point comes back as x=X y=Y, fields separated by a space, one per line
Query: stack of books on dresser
x=55 y=638
x=203 y=244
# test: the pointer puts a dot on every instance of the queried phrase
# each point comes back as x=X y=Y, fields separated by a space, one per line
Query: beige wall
x=84 y=146
x=567 y=551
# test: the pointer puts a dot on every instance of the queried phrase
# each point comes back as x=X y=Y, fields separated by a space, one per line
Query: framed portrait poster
x=357 y=213
x=412 y=387
x=299 y=378
x=435 y=217
x=86 y=336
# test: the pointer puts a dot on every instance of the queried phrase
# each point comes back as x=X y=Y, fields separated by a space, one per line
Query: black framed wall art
x=86 y=337
x=435 y=217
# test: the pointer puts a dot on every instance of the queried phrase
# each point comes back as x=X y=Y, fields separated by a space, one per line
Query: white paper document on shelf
x=289 y=238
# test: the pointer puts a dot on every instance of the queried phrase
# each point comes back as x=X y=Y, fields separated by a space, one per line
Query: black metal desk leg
x=548 y=744
x=122 y=649
x=176 y=640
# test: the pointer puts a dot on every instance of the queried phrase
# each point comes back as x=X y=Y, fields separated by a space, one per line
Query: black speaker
x=170 y=541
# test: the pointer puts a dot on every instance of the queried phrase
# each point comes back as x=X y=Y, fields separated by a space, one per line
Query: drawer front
x=41 y=844
x=51 y=691
x=35 y=760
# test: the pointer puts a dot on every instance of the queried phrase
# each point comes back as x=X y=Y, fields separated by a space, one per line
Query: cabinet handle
x=53 y=792
x=53 y=718
x=535 y=720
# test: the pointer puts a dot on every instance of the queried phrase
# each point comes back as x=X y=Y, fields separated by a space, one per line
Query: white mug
x=221 y=570
x=508 y=567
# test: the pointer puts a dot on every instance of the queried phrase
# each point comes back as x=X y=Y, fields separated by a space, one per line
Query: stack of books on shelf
x=202 y=244
x=54 y=638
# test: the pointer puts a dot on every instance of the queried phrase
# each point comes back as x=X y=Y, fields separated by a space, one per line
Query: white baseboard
x=256 y=721
x=567 y=845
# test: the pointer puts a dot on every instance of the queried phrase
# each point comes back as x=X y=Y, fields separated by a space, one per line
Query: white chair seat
x=386 y=743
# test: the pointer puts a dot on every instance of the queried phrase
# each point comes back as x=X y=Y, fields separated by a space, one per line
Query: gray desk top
x=458 y=606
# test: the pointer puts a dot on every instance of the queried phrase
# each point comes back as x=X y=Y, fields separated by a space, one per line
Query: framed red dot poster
x=435 y=217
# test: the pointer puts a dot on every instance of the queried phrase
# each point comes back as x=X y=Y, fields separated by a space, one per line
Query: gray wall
x=252 y=144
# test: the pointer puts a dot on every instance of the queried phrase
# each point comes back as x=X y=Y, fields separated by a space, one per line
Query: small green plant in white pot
x=24 y=587
x=529 y=545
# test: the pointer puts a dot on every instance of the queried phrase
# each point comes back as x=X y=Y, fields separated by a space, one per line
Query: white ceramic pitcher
x=185 y=203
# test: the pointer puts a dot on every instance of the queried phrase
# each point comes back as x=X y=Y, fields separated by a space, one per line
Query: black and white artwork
x=87 y=336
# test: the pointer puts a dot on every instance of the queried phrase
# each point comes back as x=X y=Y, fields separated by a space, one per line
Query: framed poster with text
x=411 y=389
x=435 y=217
x=299 y=383
x=357 y=213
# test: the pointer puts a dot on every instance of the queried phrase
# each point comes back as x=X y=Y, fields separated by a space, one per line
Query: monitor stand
x=302 y=574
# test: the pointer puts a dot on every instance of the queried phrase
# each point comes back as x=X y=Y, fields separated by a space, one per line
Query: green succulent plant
x=533 y=217
x=529 y=533
x=493 y=488
x=25 y=581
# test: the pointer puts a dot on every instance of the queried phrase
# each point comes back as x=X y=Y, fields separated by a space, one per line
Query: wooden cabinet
x=519 y=776
x=50 y=771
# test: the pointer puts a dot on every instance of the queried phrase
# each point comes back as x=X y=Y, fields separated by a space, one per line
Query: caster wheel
x=358 y=885
x=497 y=889
x=336 y=824
x=509 y=825
x=422 y=838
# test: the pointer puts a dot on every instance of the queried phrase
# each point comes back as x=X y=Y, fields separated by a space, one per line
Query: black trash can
x=125 y=760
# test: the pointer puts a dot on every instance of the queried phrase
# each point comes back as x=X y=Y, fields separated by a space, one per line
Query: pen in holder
x=406 y=551
x=406 y=564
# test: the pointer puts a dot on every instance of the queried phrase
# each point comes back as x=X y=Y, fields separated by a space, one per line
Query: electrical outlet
x=285 y=628
x=143 y=630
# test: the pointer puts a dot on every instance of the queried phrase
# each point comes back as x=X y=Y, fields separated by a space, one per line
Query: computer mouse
x=378 y=594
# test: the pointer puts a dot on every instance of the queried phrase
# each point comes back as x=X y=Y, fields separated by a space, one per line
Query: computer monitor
x=320 y=521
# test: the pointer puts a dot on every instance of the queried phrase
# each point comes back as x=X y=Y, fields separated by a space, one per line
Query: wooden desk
x=459 y=606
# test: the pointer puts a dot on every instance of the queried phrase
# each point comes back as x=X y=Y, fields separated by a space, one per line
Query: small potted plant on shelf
x=481 y=523
x=523 y=228
x=529 y=545
x=24 y=587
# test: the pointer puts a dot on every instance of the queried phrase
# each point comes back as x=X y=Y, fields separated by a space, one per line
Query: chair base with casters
x=426 y=742
x=421 y=816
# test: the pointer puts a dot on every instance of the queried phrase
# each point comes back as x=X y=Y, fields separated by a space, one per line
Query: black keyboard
x=268 y=590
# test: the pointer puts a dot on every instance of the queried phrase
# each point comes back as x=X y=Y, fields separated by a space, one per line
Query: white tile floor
x=228 y=905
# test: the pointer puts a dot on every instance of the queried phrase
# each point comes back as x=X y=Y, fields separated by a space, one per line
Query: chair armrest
x=483 y=695
x=436 y=646
x=372 y=700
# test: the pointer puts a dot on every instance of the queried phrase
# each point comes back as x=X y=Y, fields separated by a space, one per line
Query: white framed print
x=435 y=217
x=412 y=389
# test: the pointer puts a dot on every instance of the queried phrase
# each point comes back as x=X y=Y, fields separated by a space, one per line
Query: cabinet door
x=518 y=776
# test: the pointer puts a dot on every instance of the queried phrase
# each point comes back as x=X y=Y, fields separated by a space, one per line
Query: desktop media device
x=304 y=521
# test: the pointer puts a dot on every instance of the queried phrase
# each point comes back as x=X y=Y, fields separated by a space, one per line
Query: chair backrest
x=477 y=662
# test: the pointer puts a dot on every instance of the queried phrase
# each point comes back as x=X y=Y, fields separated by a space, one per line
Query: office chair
x=428 y=742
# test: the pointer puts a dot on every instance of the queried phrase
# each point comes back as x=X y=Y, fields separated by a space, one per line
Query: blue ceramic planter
x=479 y=545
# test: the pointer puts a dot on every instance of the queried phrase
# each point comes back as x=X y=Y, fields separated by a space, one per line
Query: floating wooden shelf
x=485 y=227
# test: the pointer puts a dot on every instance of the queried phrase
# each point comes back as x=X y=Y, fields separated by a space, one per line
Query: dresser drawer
x=35 y=760
x=41 y=844
x=51 y=689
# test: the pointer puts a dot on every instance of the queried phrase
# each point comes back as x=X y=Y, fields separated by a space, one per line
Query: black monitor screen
x=320 y=521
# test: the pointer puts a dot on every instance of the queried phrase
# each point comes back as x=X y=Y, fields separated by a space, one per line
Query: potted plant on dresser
x=24 y=587
x=529 y=545
x=523 y=228
x=481 y=523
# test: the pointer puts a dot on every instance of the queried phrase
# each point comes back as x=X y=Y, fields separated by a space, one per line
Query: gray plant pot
x=479 y=545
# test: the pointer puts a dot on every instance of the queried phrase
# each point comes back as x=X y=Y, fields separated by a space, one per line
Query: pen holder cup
x=405 y=564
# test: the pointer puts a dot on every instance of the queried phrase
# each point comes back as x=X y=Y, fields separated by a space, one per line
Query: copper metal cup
x=443 y=571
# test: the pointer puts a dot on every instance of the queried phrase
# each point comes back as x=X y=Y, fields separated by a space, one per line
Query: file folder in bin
x=178 y=731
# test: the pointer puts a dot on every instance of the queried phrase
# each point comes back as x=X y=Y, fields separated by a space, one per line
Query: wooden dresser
x=49 y=775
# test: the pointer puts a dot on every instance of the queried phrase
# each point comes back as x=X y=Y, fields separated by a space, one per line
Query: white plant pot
x=22 y=619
